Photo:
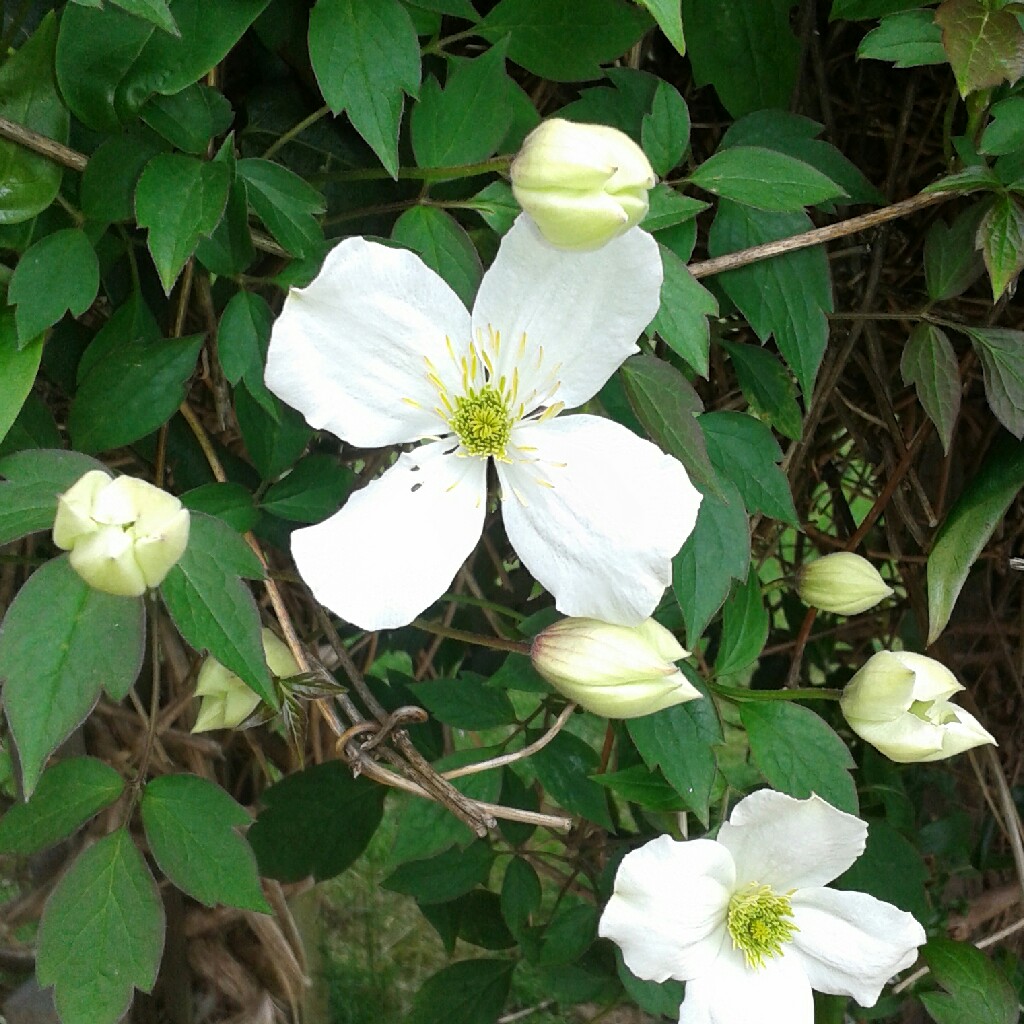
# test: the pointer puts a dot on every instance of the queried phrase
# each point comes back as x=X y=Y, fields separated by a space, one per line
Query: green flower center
x=759 y=923
x=482 y=421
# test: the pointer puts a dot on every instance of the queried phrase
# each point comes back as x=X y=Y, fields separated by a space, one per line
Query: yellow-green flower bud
x=226 y=700
x=613 y=671
x=843 y=583
x=899 y=703
x=124 y=534
x=583 y=184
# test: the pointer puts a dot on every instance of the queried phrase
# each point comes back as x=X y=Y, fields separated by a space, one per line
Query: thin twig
x=55 y=151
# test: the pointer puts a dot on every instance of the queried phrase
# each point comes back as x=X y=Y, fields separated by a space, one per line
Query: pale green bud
x=124 y=534
x=899 y=703
x=226 y=700
x=843 y=583
x=583 y=184
x=613 y=671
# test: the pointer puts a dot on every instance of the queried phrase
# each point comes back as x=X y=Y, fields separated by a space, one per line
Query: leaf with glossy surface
x=315 y=822
x=1005 y=132
x=767 y=385
x=985 y=46
x=798 y=753
x=285 y=203
x=94 y=641
x=155 y=11
x=977 y=992
x=243 y=335
x=213 y=608
x=682 y=319
x=18 y=369
x=909 y=39
x=467 y=992
x=69 y=794
x=930 y=364
x=665 y=129
x=228 y=501
x=669 y=16
x=444 y=246
x=366 y=57
x=969 y=525
x=744 y=627
x=102 y=933
x=189 y=119
x=1001 y=353
x=1001 y=240
x=563 y=768
x=191 y=827
x=29 y=97
x=58 y=274
x=465 y=703
x=315 y=489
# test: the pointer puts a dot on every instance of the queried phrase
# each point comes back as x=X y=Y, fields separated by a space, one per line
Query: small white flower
x=380 y=351
x=746 y=921
x=899 y=703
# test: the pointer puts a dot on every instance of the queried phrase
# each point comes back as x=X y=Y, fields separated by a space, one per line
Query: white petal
x=396 y=544
x=732 y=993
x=850 y=943
x=348 y=350
x=584 y=309
x=787 y=843
x=598 y=516
x=668 y=911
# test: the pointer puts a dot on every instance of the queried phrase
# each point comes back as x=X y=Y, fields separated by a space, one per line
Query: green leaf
x=669 y=16
x=646 y=788
x=69 y=794
x=213 y=608
x=562 y=768
x=229 y=250
x=28 y=498
x=767 y=386
x=909 y=39
x=34 y=426
x=764 y=178
x=191 y=827
x=930 y=364
x=798 y=753
x=315 y=822
x=538 y=30
x=142 y=378
x=970 y=179
x=29 y=97
x=497 y=206
x=445 y=876
x=520 y=893
x=365 y=56
x=102 y=933
x=976 y=991
x=94 y=641
x=682 y=320
x=890 y=869
x=1001 y=353
x=862 y=9
x=680 y=741
x=180 y=200
x=465 y=121
x=668 y=208
x=666 y=404
x=744 y=627
x=189 y=119
x=315 y=489
x=951 y=261
x=985 y=46
x=242 y=339
x=1005 y=132
x=665 y=131
x=18 y=368
x=285 y=203
x=228 y=501
x=444 y=246
x=59 y=274
x=786 y=296
x=1001 y=240
x=716 y=553
x=968 y=526
x=274 y=442
x=467 y=992
x=109 y=180
x=465 y=703
x=743 y=449
x=745 y=49
x=567 y=936
x=155 y=11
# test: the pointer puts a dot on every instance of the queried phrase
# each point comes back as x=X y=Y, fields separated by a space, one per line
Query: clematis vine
x=746 y=919
x=380 y=351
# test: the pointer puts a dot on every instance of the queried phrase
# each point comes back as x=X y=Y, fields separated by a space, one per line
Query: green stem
x=295 y=130
x=738 y=694
x=497 y=644
x=496 y=163
x=439 y=45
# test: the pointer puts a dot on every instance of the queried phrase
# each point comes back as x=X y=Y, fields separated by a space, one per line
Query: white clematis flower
x=380 y=351
x=746 y=921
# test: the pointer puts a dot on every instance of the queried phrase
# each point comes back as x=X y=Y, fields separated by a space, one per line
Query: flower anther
x=760 y=922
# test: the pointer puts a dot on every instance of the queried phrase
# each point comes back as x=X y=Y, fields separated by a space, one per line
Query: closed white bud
x=899 y=703
x=843 y=583
x=124 y=534
x=613 y=671
x=226 y=700
x=583 y=184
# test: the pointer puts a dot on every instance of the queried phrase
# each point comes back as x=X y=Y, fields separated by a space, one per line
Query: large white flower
x=380 y=351
x=745 y=919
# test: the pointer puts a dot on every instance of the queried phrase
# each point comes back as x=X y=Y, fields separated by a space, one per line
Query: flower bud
x=843 y=583
x=124 y=534
x=226 y=700
x=613 y=671
x=899 y=703
x=583 y=184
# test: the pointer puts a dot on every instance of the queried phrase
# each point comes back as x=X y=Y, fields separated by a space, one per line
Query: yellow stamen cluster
x=759 y=923
x=482 y=422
